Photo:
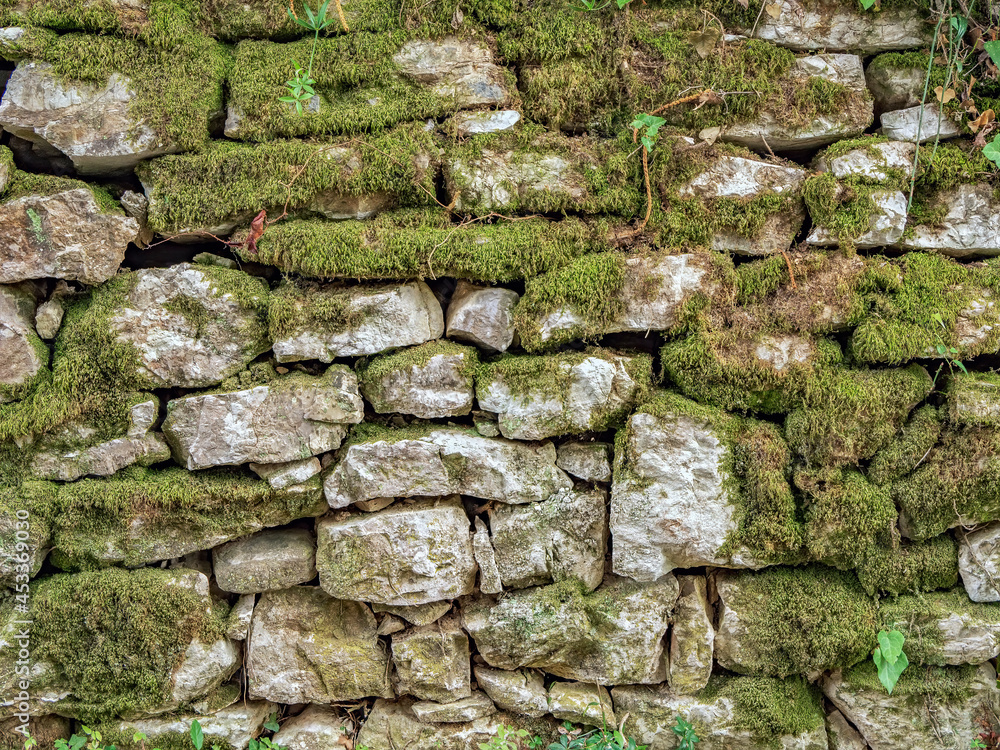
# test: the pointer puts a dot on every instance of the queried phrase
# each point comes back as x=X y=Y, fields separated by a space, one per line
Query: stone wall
x=395 y=417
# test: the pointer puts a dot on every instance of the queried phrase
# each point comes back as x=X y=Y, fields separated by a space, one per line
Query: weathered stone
x=240 y=617
x=692 y=638
x=417 y=614
x=75 y=450
x=387 y=317
x=834 y=27
x=457 y=69
x=292 y=417
x=430 y=381
x=22 y=353
x=894 y=87
x=407 y=554
x=979 y=563
x=267 y=561
x=886 y=224
x=969 y=227
x=391 y=624
x=919 y=124
x=45 y=730
x=944 y=627
x=565 y=393
x=769 y=129
x=476 y=706
x=482 y=550
x=728 y=717
x=841 y=735
x=89 y=123
x=306 y=647
x=432 y=662
x=520 y=691
x=445 y=462
x=588 y=461
x=611 y=636
x=235 y=725
x=64 y=234
x=580 y=703
x=564 y=537
x=48 y=318
x=471 y=123
x=7 y=168
x=482 y=316
x=289 y=473
x=20 y=511
x=744 y=179
x=872 y=161
x=374 y=506
x=918 y=714
x=316 y=728
x=189 y=327
x=497 y=181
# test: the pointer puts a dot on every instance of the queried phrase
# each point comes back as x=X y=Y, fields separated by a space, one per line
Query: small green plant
x=90 y=740
x=592 y=5
x=889 y=658
x=685 y=733
x=992 y=150
x=976 y=744
x=868 y=4
x=946 y=352
x=507 y=738
x=648 y=127
x=605 y=738
x=301 y=85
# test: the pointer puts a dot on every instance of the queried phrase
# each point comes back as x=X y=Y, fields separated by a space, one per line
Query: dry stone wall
x=439 y=406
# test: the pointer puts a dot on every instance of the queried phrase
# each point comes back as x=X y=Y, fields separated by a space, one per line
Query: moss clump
x=372 y=372
x=417 y=244
x=917 y=684
x=228 y=180
x=800 y=620
x=917 y=617
x=23 y=184
x=101 y=16
x=845 y=207
x=908 y=449
x=768 y=708
x=300 y=305
x=166 y=741
x=974 y=399
x=115 y=636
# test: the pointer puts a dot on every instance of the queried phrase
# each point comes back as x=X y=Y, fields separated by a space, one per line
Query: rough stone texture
x=22 y=354
x=407 y=554
x=240 y=617
x=969 y=227
x=947 y=627
x=476 y=706
x=289 y=473
x=886 y=225
x=461 y=70
x=65 y=235
x=74 y=451
x=290 y=418
x=482 y=316
x=439 y=387
x=834 y=27
x=846 y=70
x=841 y=735
x=482 y=550
x=919 y=124
x=692 y=638
x=520 y=691
x=174 y=350
x=235 y=725
x=445 y=462
x=873 y=161
x=579 y=703
x=495 y=181
x=653 y=712
x=671 y=507
x=583 y=396
x=89 y=123
x=432 y=662
x=267 y=561
x=745 y=179
x=388 y=317
x=417 y=614
x=611 y=636
x=306 y=647
x=564 y=537
x=471 y=123
x=588 y=461
x=48 y=318
x=910 y=717
x=979 y=563
x=895 y=88
x=316 y=728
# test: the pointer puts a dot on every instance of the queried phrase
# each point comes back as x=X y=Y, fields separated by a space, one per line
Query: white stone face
x=470 y=123
x=455 y=68
x=588 y=461
x=970 y=227
x=439 y=387
x=289 y=473
x=236 y=725
x=520 y=691
x=885 y=228
x=841 y=734
x=918 y=124
x=267 y=561
x=432 y=662
x=476 y=706
x=482 y=550
x=979 y=563
x=739 y=177
x=316 y=728
x=483 y=316
x=240 y=618
x=204 y=668
x=20 y=357
x=494 y=180
x=581 y=703
x=872 y=162
x=692 y=638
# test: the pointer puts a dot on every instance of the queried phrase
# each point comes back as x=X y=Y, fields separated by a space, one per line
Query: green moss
x=917 y=684
x=7 y=169
x=122 y=740
x=800 y=620
x=300 y=305
x=910 y=568
x=31 y=44
x=908 y=449
x=24 y=184
x=101 y=16
x=974 y=399
x=846 y=207
x=417 y=244
x=371 y=372
x=917 y=617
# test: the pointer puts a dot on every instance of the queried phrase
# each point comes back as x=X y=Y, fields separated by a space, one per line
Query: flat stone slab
x=267 y=561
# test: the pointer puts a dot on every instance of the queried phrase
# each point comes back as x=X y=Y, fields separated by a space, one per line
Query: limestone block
x=48 y=318
x=316 y=728
x=482 y=316
x=22 y=353
x=457 y=69
x=471 y=123
x=474 y=707
x=588 y=461
x=979 y=563
x=288 y=473
x=581 y=703
x=240 y=616
x=432 y=662
x=969 y=227
x=520 y=691
x=886 y=224
x=416 y=614
x=894 y=87
x=692 y=638
x=429 y=381
x=919 y=124
x=871 y=161
x=841 y=734
x=235 y=725
x=482 y=549
x=267 y=561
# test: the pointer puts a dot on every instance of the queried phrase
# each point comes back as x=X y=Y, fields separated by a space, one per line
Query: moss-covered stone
x=909 y=448
x=902 y=568
x=974 y=399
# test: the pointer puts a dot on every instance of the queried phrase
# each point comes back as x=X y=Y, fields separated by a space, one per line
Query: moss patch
x=768 y=708
x=371 y=372
x=24 y=184
x=917 y=683
x=974 y=399
x=910 y=568
x=908 y=449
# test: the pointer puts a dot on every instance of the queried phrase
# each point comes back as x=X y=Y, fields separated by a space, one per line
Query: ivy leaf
x=960 y=24
x=889 y=673
x=867 y=4
x=704 y=41
x=773 y=10
x=272 y=721
x=944 y=95
x=993 y=50
x=992 y=150
x=891 y=645
x=197 y=736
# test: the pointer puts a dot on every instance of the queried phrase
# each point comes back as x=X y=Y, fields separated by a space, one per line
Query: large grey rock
x=386 y=317
x=22 y=353
x=610 y=636
x=431 y=381
x=744 y=179
x=306 y=647
x=48 y=318
x=89 y=123
x=520 y=691
x=495 y=181
x=969 y=227
x=235 y=725
x=872 y=161
x=65 y=235
x=482 y=316
x=189 y=329
x=476 y=706
x=316 y=728
x=885 y=226
x=572 y=393
x=588 y=461
x=444 y=462
x=580 y=703
x=979 y=563
x=289 y=418
x=267 y=561
x=563 y=537
x=404 y=555
x=916 y=715
x=432 y=662
x=919 y=124
x=458 y=69
x=75 y=450
x=692 y=638
x=769 y=129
